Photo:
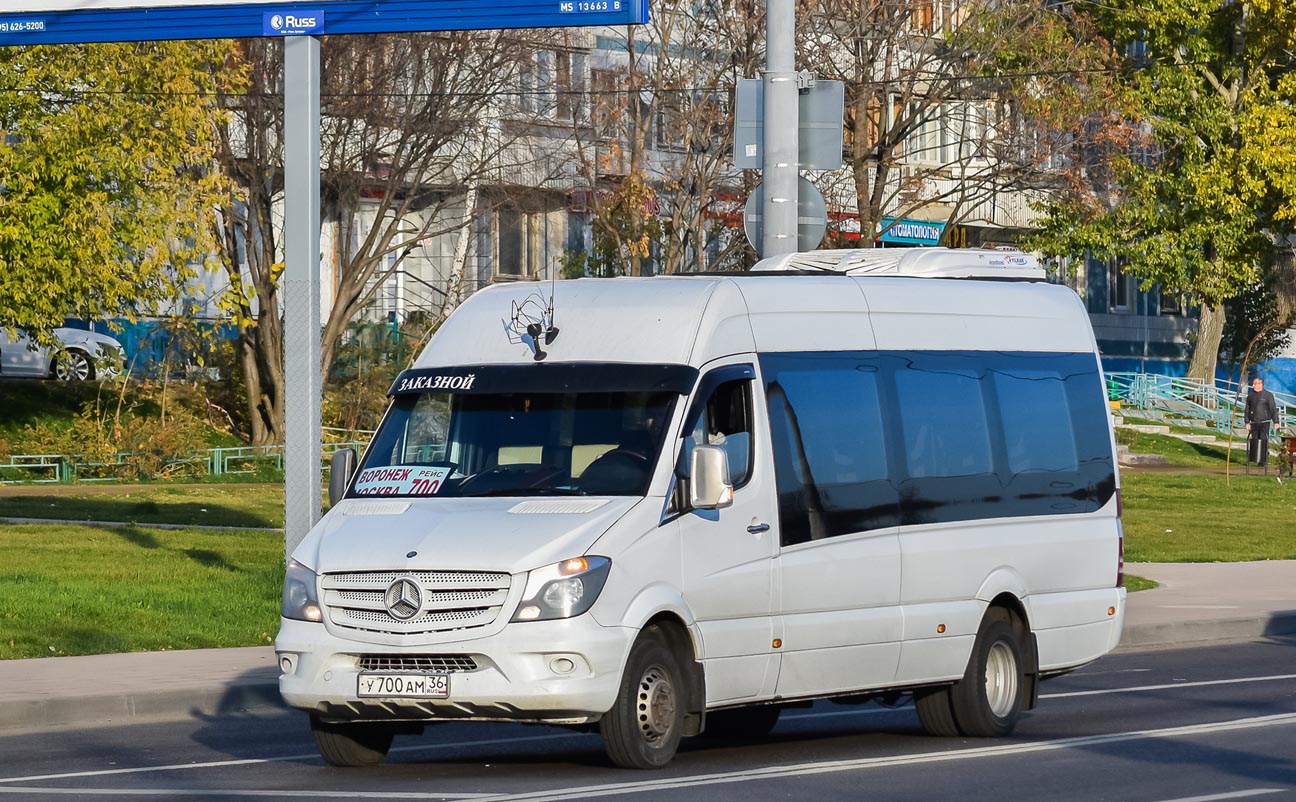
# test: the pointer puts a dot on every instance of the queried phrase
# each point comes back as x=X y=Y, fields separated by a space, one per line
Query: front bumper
x=552 y=671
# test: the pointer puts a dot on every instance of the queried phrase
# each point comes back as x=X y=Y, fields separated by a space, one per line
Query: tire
x=643 y=728
x=741 y=724
x=989 y=699
x=73 y=366
x=348 y=745
x=936 y=712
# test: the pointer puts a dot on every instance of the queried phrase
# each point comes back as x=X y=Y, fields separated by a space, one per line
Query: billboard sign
x=40 y=22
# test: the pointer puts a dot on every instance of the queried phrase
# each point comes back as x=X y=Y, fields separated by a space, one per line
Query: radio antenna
x=552 y=331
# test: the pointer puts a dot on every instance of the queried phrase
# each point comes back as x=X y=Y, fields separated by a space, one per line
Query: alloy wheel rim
x=72 y=367
x=655 y=705
x=1001 y=679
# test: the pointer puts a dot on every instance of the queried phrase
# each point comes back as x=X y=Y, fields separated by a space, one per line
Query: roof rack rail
x=928 y=262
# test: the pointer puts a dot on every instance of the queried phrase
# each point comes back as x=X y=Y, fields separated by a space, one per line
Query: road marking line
x=1167 y=686
x=765 y=773
x=314 y=756
x=1232 y=795
x=174 y=792
x=803 y=769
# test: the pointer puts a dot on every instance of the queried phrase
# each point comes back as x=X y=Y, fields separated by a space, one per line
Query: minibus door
x=728 y=554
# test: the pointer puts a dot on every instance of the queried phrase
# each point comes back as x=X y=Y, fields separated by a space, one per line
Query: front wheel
x=643 y=728
x=73 y=366
x=350 y=744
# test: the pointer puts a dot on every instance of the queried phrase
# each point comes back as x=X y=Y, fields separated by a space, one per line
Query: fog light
x=528 y=613
x=287 y=663
x=562 y=665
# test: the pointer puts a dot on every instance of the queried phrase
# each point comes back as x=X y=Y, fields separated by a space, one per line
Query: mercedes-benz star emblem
x=404 y=599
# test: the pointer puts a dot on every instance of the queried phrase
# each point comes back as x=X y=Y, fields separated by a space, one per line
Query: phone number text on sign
x=22 y=26
x=401 y=481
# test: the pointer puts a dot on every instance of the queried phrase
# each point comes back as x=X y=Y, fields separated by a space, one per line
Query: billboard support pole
x=303 y=385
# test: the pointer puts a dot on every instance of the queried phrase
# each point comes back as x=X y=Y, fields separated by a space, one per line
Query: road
x=1211 y=723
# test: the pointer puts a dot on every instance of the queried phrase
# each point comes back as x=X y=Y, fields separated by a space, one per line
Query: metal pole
x=301 y=289
x=781 y=121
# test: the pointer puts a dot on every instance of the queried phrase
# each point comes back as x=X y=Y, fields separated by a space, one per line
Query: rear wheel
x=643 y=728
x=988 y=700
x=350 y=744
x=936 y=712
x=744 y=723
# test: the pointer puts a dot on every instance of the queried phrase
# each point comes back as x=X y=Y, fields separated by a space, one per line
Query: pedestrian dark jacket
x=1261 y=407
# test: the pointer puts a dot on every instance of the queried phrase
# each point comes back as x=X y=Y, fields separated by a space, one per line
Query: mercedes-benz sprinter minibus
x=658 y=507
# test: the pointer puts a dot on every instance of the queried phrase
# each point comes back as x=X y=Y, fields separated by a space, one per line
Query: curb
x=141 y=707
x=1197 y=633
x=259 y=696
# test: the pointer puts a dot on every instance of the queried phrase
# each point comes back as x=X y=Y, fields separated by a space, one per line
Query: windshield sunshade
x=547 y=378
x=449 y=444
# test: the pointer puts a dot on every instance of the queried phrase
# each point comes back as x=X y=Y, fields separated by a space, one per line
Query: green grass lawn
x=1178 y=452
x=70 y=589
x=88 y=590
x=233 y=505
x=1136 y=583
x=1201 y=518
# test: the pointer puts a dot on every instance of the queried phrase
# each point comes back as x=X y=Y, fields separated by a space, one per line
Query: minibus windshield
x=448 y=444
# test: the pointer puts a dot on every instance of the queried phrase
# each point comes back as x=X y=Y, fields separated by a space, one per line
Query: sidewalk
x=1196 y=603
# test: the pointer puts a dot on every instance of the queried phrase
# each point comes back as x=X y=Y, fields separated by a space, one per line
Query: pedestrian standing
x=1261 y=413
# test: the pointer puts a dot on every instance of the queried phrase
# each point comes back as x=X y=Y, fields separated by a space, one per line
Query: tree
x=953 y=107
x=106 y=173
x=657 y=146
x=400 y=119
x=1203 y=205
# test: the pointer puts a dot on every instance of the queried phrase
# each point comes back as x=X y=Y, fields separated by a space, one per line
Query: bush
x=151 y=446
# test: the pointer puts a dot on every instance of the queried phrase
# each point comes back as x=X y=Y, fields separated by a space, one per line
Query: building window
x=1170 y=303
x=607 y=108
x=512 y=242
x=1121 y=286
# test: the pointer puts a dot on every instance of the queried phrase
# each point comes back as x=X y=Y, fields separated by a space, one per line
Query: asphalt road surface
x=1190 y=725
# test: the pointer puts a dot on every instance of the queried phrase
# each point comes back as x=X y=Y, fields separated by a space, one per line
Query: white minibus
x=663 y=507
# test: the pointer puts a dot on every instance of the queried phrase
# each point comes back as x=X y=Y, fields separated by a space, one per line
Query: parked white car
x=85 y=355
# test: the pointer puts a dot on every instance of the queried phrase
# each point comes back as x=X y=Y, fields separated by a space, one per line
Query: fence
x=1217 y=403
x=234 y=461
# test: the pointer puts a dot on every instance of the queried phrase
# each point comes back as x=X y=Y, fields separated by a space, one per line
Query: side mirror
x=340 y=470
x=709 y=486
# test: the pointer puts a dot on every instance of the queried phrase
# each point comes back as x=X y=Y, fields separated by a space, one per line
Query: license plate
x=403 y=686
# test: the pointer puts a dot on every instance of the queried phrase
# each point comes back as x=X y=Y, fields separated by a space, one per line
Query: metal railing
x=232 y=461
x=1217 y=404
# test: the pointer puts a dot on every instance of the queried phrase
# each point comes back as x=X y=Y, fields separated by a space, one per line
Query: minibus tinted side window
x=943 y=419
x=874 y=439
x=830 y=447
x=1036 y=420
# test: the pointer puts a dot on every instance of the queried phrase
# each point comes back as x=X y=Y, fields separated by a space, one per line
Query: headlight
x=563 y=590
x=299 y=600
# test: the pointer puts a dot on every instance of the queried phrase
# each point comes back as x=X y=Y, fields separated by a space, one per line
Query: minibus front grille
x=441 y=663
x=449 y=600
